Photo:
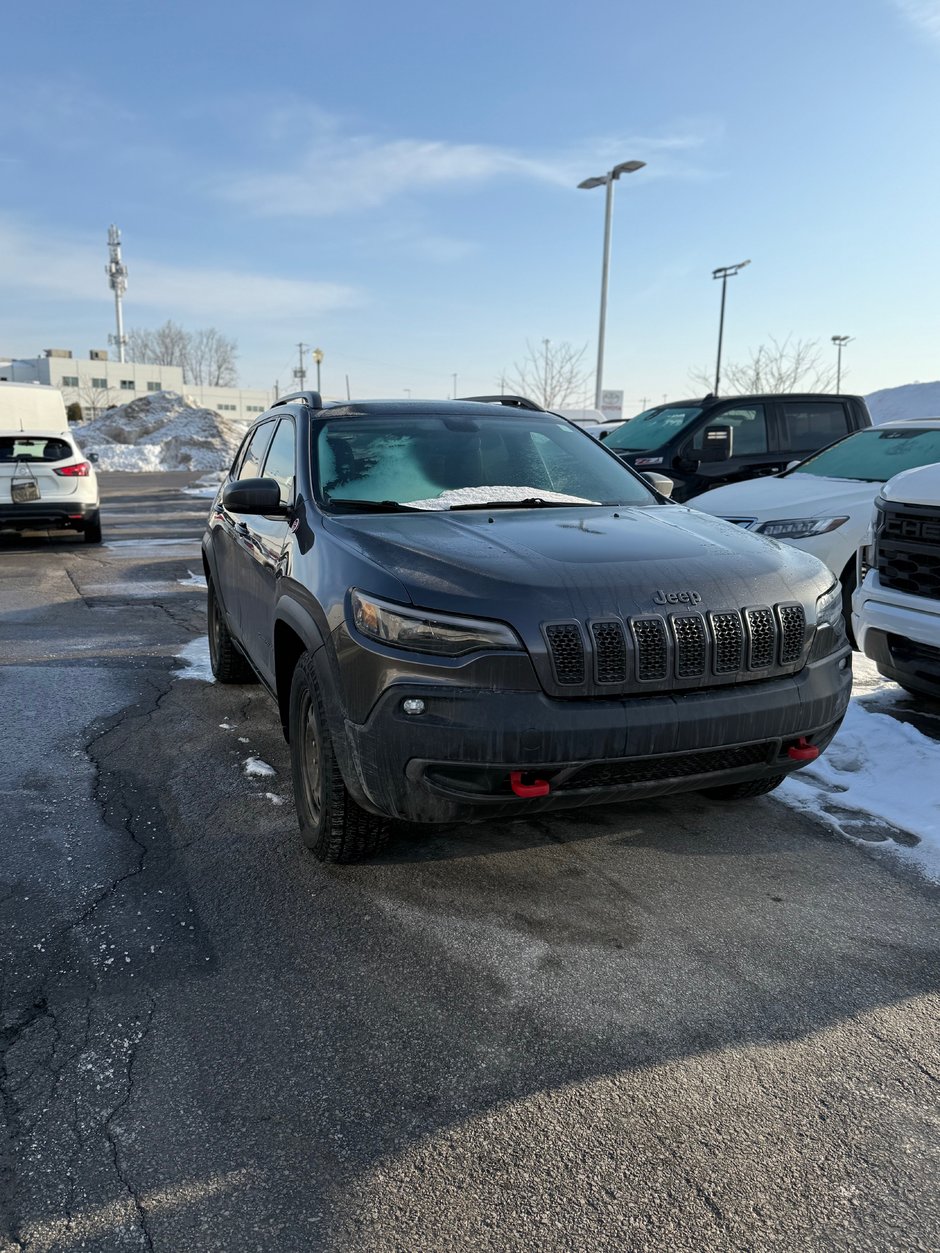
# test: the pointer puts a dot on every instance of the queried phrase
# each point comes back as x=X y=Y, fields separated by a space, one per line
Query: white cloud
x=74 y=270
x=924 y=14
x=339 y=173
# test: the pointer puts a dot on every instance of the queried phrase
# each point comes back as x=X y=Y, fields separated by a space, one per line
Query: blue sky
x=396 y=184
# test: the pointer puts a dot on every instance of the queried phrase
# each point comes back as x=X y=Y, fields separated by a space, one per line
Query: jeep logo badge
x=675 y=598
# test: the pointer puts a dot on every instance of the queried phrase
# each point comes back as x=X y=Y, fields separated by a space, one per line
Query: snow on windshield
x=502 y=492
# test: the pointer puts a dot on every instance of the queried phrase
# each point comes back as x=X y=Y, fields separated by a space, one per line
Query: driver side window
x=749 y=430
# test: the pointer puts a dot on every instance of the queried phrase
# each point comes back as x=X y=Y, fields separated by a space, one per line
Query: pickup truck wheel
x=743 y=791
x=228 y=664
x=332 y=825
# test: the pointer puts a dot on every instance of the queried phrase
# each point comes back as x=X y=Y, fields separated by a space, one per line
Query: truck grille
x=658 y=652
x=907 y=549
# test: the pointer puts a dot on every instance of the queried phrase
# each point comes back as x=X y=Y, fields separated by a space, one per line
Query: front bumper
x=41 y=515
x=454 y=761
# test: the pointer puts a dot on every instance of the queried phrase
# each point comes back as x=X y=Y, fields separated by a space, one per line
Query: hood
x=920 y=486
x=527 y=565
x=796 y=496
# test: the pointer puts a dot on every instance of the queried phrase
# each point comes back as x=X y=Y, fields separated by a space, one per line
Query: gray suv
x=467 y=611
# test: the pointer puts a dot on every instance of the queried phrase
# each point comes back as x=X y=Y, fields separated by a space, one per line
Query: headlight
x=799 y=528
x=829 y=607
x=421 y=631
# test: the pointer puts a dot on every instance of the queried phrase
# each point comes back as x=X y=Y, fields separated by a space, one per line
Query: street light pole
x=607 y=180
x=840 y=341
x=723 y=272
x=317 y=355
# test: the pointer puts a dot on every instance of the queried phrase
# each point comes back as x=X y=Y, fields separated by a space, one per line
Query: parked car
x=46 y=482
x=823 y=505
x=706 y=443
x=468 y=610
x=896 y=607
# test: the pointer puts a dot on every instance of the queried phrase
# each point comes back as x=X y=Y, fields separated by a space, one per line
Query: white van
x=46 y=482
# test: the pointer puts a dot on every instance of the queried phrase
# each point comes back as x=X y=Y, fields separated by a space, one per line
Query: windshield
x=429 y=461
x=875 y=455
x=652 y=428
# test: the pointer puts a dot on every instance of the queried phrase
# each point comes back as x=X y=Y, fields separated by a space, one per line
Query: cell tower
x=116 y=271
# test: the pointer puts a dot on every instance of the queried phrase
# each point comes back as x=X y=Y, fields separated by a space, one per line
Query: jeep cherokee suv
x=468 y=612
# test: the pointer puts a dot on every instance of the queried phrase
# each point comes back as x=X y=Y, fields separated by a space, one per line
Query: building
x=99 y=383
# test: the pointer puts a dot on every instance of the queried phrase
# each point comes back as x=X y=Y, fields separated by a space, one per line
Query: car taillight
x=77 y=470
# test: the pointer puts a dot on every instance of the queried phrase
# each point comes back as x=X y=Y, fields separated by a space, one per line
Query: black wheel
x=332 y=825
x=92 y=529
x=228 y=664
x=743 y=791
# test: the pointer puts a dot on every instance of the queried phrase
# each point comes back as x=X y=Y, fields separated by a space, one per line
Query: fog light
x=413 y=706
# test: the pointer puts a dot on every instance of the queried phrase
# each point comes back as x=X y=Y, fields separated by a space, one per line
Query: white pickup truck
x=896 y=605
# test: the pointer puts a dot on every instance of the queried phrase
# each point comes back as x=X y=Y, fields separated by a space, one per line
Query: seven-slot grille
x=650 y=649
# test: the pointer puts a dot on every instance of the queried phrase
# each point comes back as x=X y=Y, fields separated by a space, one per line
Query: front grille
x=564 y=639
x=661 y=769
x=729 y=642
x=610 y=652
x=691 y=646
x=907 y=549
x=611 y=656
x=652 y=654
x=792 y=633
x=761 y=638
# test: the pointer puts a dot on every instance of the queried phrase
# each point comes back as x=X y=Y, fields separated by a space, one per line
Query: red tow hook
x=541 y=787
x=802 y=750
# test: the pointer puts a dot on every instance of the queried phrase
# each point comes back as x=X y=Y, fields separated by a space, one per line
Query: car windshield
x=444 y=461
x=33 y=448
x=875 y=455
x=652 y=428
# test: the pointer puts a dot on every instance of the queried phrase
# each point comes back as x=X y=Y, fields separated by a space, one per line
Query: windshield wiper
x=530 y=502
x=371 y=506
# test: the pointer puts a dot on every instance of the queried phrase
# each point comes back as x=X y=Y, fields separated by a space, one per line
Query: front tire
x=228 y=664
x=332 y=825
x=743 y=791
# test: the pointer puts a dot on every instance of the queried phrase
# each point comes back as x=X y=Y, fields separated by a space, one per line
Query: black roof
x=362 y=408
x=703 y=401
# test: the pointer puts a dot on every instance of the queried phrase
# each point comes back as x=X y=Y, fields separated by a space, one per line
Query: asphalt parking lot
x=668 y=1026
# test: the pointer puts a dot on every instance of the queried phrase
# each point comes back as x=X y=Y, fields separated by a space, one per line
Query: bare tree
x=552 y=375
x=206 y=357
x=94 y=400
x=794 y=365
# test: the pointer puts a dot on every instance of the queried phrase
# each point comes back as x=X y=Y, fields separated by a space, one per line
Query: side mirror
x=92 y=457
x=603 y=434
x=258 y=496
x=661 y=482
x=717 y=444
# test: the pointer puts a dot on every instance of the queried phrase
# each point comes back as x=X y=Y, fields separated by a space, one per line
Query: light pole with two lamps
x=724 y=272
x=606 y=180
x=840 y=341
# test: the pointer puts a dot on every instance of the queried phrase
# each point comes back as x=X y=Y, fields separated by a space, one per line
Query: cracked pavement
x=675 y=1025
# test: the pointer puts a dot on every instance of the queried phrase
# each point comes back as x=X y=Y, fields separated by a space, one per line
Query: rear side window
x=812 y=424
x=749 y=430
x=279 y=463
x=250 y=467
x=38 y=449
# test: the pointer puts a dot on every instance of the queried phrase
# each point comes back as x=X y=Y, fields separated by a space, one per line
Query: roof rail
x=515 y=402
x=312 y=400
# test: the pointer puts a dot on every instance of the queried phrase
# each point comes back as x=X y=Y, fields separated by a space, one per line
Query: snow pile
x=913 y=400
x=161 y=431
x=878 y=776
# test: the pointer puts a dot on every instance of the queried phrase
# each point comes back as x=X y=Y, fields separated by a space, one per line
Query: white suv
x=46 y=482
x=896 y=609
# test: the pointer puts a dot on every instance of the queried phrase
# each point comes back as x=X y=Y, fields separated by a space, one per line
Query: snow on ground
x=195 y=659
x=878 y=776
x=161 y=431
x=913 y=400
x=206 y=487
x=194 y=580
x=256 y=768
